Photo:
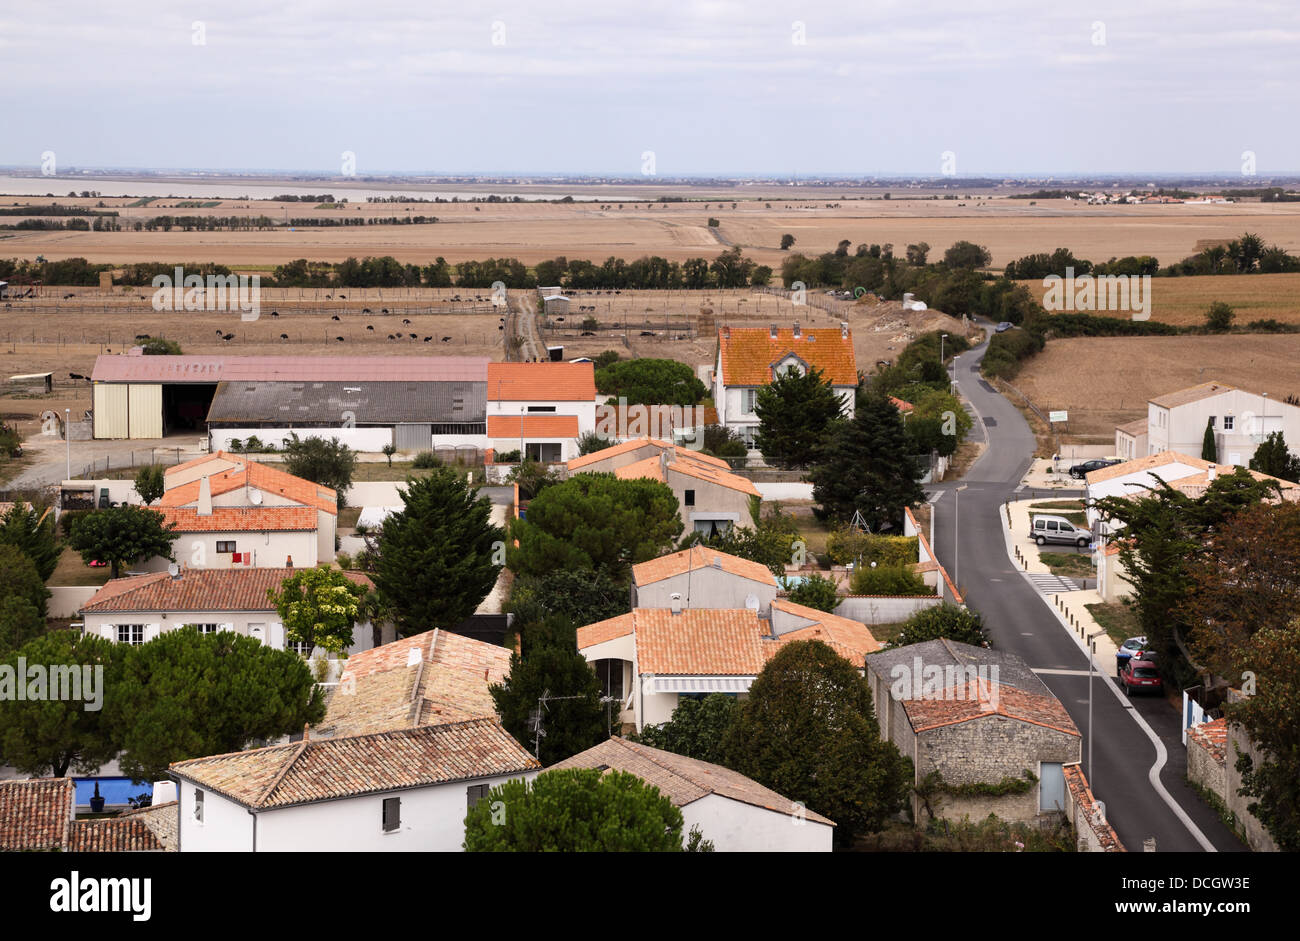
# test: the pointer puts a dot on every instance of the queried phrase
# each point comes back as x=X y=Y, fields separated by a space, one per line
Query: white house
x=562 y=392
x=138 y=608
x=749 y=358
x=701 y=577
x=735 y=812
x=399 y=791
x=1240 y=421
x=1133 y=478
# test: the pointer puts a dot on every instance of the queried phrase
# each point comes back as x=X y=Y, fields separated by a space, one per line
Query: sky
x=706 y=88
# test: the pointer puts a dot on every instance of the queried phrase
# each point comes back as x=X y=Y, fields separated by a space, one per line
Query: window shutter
x=109 y=632
x=151 y=631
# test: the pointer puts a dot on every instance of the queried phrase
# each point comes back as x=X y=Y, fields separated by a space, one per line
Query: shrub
x=888 y=580
x=68 y=517
x=507 y=457
x=253 y=443
x=849 y=545
x=816 y=591
x=344 y=560
x=425 y=460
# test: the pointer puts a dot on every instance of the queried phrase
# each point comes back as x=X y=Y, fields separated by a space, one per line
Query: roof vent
x=675 y=602
x=772 y=334
x=844 y=329
x=796 y=329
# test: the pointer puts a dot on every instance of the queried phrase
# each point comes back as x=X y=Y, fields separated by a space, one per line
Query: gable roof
x=541 y=382
x=749 y=354
x=113 y=835
x=239 y=519
x=1012 y=670
x=236 y=589
x=685 y=463
x=626 y=447
x=1195 y=393
x=695 y=558
x=680 y=461
x=36 y=814
x=257 y=476
x=430 y=678
x=535 y=426
x=957 y=704
x=1134 y=429
x=1150 y=462
x=684 y=780
x=851 y=639
x=329 y=769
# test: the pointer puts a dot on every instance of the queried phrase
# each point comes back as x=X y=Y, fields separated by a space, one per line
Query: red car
x=1140 y=675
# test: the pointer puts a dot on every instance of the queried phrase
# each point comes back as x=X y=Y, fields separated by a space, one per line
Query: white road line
x=1048 y=672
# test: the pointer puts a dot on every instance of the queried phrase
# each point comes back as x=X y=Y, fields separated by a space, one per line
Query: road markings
x=1048 y=672
x=1053 y=584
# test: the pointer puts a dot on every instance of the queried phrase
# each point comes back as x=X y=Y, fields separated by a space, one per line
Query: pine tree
x=1274 y=458
x=1209 y=449
x=795 y=413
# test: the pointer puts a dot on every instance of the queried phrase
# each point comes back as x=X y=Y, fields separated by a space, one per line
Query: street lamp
x=67 y=438
x=1092 y=663
x=956 y=532
x=942 y=337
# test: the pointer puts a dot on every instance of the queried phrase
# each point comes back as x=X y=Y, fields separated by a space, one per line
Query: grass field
x=1183 y=301
x=1069 y=564
x=1117 y=620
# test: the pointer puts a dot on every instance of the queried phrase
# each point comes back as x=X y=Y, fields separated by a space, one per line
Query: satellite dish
x=751 y=602
x=255 y=497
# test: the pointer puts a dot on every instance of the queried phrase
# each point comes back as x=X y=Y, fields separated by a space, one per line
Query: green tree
x=697 y=729
x=786 y=241
x=795 y=413
x=866 y=465
x=947 y=621
x=1219 y=317
x=595 y=521
x=1274 y=458
x=646 y=381
x=122 y=535
x=590 y=442
x=721 y=441
x=574 y=810
x=573 y=718
x=327 y=463
x=1209 y=447
x=808 y=731
x=816 y=591
x=149 y=483
x=50 y=736
x=389 y=450
x=582 y=596
x=440 y=556
x=160 y=346
x=319 y=608
x=20 y=579
x=20 y=622
x=965 y=254
x=31 y=529
x=186 y=695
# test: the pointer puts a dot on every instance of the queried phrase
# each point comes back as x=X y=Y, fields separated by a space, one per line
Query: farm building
x=555 y=304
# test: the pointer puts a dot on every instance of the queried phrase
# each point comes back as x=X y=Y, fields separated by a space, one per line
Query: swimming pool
x=113 y=790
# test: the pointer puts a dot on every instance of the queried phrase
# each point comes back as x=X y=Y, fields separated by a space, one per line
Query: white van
x=1058 y=529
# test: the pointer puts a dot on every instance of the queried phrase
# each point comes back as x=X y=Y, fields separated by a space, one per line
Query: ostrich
x=446 y=339
x=335 y=317
x=284 y=336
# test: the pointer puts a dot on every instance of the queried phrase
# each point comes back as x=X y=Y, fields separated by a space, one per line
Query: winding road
x=1138 y=760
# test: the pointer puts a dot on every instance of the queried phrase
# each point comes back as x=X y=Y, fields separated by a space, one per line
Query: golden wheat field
x=1183 y=301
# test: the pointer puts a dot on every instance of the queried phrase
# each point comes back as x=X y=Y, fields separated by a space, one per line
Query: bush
x=426 y=460
x=68 y=517
x=849 y=545
x=344 y=560
x=254 y=443
x=1219 y=317
x=945 y=620
x=816 y=591
x=888 y=580
x=503 y=457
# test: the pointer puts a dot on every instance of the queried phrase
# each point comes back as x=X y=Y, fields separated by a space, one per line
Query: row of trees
x=1246 y=254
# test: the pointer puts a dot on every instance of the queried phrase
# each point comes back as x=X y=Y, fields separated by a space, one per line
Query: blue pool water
x=793 y=581
x=113 y=790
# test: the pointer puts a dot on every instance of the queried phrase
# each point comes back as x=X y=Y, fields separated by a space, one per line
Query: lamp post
x=1092 y=663
x=956 y=532
x=67 y=439
x=942 y=337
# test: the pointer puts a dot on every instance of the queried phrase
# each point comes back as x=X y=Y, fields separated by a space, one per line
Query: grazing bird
x=366 y=310
x=446 y=339
x=405 y=321
x=340 y=339
x=414 y=335
x=343 y=297
x=385 y=310
x=391 y=337
x=368 y=327
x=275 y=313
x=329 y=297
x=427 y=339
x=218 y=333
x=228 y=336
x=284 y=336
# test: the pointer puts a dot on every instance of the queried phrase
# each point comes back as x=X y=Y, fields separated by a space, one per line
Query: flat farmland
x=1105 y=381
x=1183 y=301
x=533 y=232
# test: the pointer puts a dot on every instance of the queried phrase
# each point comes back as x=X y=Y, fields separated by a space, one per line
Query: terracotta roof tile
x=541 y=382
x=332 y=768
x=587 y=461
x=236 y=519
x=591 y=634
x=961 y=703
x=113 y=835
x=36 y=814
x=651 y=468
x=257 y=476
x=1213 y=737
x=750 y=354
x=699 y=557
x=684 y=780
x=237 y=589
x=851 y=639
x=535 y=426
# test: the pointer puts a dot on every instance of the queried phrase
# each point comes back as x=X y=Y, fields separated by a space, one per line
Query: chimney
x=675 y=602
x=796 y=329
x=1211 y=473
x=288 y=562
x=205 y=496
x=772 y=334
x=844 y=329
x=726 y=332
x=306 y=731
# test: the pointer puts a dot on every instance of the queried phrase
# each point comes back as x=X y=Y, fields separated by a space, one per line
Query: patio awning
x=699 y=684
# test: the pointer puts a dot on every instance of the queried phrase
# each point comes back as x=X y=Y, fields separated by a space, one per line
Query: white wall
x=66 y=600
x=1133 y=484
x=363 y=438
x=104 y=624
x=784 y=490
x=736 y=827
x=884 y=610
x=227 y=827
x=584 y=410
x=432 y=820
x=270 y=550
x=708 y=588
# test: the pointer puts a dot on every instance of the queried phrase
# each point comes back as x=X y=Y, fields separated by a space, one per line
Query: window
x=475 y=793
x=198 y=805
x=1227 y=422
x=298 y=647
x=130 y=634
x=207 y=628
x=610 y=674
x=225 y=545
x=690 y=498
x=392 y=813
x=750 y=397
x=543 y=452
x=541 y=408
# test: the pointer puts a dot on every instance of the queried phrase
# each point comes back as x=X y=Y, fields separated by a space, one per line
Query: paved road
x=1021 y=621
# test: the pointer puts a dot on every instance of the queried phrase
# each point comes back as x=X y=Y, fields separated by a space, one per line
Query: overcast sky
x=576 y=86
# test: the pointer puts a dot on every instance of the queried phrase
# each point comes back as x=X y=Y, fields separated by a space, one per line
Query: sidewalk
x=1040 y=476
x=1069 y=605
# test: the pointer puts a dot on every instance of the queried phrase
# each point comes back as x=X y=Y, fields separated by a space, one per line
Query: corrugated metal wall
x=144 y=405
x=413 y=437
x=110 y=410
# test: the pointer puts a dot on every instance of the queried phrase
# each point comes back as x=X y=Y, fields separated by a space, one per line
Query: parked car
x=1003 y=327
x=1130 y=647
x=1058 y=529
x=1080 y=471
x=1140 y=675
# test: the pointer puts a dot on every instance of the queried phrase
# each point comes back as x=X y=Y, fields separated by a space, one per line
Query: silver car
x=1058 y=529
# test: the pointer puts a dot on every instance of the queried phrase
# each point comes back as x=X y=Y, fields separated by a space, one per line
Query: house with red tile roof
x=403 y=790
x=985 y=734
x=38 y=814
x=137 y=608
x=232 y=512
x=541 y=409
x=651 y=658
x=701 y=577
x=736 y=813
x=750 y=358
x=710 y=498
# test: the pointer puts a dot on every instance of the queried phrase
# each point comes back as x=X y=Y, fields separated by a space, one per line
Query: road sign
x=1054 y=417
